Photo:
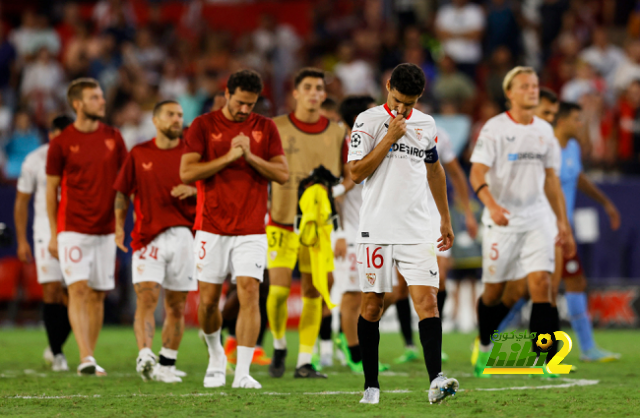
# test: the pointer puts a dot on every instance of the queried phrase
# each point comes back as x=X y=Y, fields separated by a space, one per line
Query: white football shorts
x=88 y=257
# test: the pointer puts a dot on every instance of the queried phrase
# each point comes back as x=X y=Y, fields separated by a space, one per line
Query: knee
x=52 y=293
x=310 y=292
x=372 y=310
x=175 y=310
x=575 y=284
x=539 y=282
x=249 y=291
x=209 y=303
x=147 y=302
x=79 y=290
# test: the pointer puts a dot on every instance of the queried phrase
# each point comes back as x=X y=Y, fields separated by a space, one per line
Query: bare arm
x=276 y=169
x=554 y=194
x=121 y=206
x=438 y=186
x=459 y=182
x=361 y=169
x=347 y=181
x=587 y=187
x=53 y=182
x=477 y=179
x=20 y=217
x=191 y=169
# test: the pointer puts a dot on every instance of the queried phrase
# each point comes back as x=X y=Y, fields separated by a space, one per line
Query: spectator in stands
x=8 y=68
x=104 y=68
x=81 y=50
x=502 y=28
x=356 y=75
x=191 y=100
x=500 y=64
x=34 y=34
x=452 y=85
x=460 y=26
x=630 y=69
x=67 y=28
x=173 y=84
x=603 y=56
x=24 y=139
x=584 y=82
x=6 y=116
x=41 y=86
x=625 y=135
x=147 y=55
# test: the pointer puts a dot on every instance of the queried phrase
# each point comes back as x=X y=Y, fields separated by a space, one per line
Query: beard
x=91 y=116
x=172 y=133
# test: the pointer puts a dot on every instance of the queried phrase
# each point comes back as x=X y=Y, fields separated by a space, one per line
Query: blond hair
x=74 y=91
x=508 y=79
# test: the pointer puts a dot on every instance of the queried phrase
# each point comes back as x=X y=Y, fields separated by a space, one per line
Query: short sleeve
x=485 y=149
x=553 y=159
x=55 y=159
x=275 y=143
x=28 y=177
x=362 y=140
x=195 y=140
x=445 y=150
x=126 y=181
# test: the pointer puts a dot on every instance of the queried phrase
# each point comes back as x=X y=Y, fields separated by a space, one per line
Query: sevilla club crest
x=110 y=143
x=419 y=133
x=371 y=278
x=257 y=135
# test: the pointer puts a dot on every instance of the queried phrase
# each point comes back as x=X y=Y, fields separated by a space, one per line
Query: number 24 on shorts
x=374 y=259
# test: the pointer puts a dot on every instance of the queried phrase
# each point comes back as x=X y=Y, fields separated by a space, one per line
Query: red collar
x=310 y=128
x=514 y=121
x=386 y=107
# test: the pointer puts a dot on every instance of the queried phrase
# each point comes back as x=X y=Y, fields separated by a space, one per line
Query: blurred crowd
x=587 y=51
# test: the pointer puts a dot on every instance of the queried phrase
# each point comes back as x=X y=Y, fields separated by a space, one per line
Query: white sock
x=303 y=358
x=280 y=343
x=168 y=353
x=216 y=351
x=245 y=355
x=485 y=348
x=146 y=351
x=326 y=348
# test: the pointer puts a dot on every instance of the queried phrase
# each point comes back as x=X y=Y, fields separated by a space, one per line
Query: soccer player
x=33 y=181
x=513 y=172
x=311 y=140
x=459 y=181
x=393 y=150
x=162 y=241
x=232 y=154
x=83 y=162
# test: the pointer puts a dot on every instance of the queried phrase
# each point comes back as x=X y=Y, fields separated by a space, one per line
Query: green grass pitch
x=29 y=389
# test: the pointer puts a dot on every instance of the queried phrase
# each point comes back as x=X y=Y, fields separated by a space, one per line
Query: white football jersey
x=445 y=155
x=33 y=180
x=395 y=208
x=351 y=213
x=517 y=156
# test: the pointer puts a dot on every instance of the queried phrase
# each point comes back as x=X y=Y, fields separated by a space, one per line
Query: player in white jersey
x=458 y=179
x=33 y=181
x=393 y=150
x=514 y=175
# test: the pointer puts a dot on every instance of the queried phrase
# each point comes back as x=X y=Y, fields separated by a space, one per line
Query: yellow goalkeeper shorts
x=284 y=250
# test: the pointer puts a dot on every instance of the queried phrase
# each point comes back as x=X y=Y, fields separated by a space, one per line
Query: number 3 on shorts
x=203 y=251
x=375 y=259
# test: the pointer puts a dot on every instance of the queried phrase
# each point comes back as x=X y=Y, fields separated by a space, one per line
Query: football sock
x=355 y=353
x=277 y=314
x=442 y=297
x=431 y=339
x=511 y=315
x=489 y=317
x=325 y=328
x=579 y=317
x=216 y=351
x=245 y=355
x=56 y=323
x=263 y=320
x=542 y=321
x=555 y=325
x=404 y=317
x=168 y=356
x=308 y=328
x=369 y=337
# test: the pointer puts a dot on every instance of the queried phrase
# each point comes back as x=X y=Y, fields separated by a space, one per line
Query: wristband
x=482 y=186
x=338 y=190
x=339 y=233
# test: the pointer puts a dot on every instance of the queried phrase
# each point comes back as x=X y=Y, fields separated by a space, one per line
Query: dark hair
x=352 y=106
x=77 y=86
x=408 y=79
x=548 y=95
x=246 y=80
x=329 y=104
x=158 y=107
x=60 y=123
x=307 y=72
x=565 y=110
